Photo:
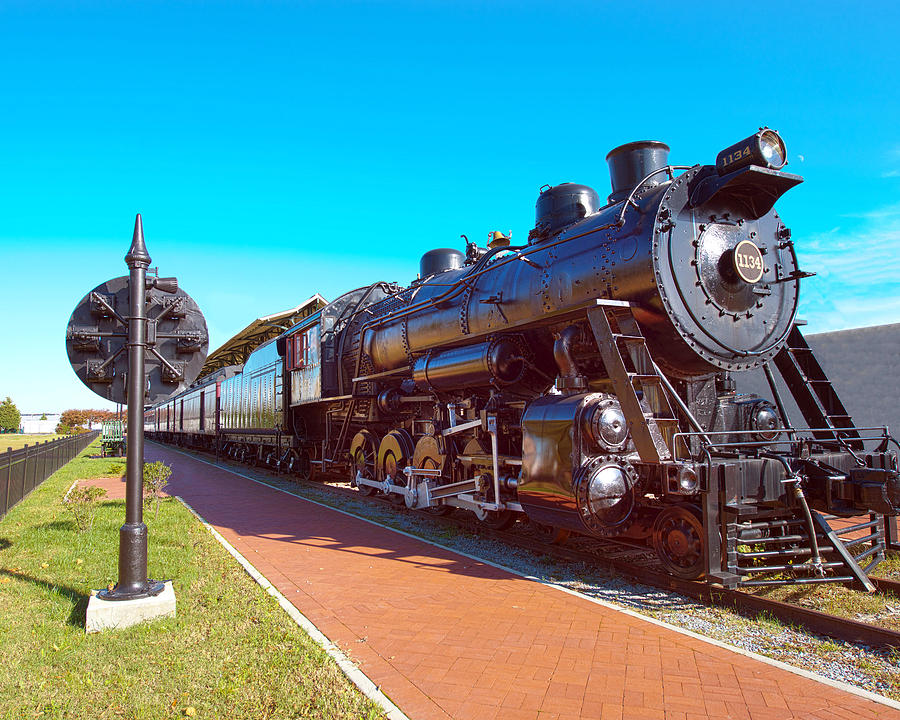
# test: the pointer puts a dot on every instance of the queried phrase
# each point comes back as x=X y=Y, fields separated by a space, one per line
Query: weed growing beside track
x=231 y=652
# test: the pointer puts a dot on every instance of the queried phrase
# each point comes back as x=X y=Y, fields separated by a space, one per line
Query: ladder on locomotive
x=631 y=370
x=814 y=394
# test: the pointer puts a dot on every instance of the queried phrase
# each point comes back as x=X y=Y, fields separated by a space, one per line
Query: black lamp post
x=133 y=582
x=127 y=355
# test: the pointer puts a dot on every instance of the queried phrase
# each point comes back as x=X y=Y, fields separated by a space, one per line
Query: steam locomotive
x=585 y=381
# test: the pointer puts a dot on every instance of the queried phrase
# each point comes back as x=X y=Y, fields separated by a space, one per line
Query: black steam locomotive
x=585 y=380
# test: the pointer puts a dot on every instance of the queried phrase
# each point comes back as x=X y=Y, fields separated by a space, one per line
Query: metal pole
x=8 y=478
x=24 y=472
x=133 y=581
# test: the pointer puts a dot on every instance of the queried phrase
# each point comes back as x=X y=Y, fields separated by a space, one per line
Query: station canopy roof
x=236 y=350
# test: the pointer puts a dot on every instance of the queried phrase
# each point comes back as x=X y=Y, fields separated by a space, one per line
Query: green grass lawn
x=231 y=652
x=14 y=441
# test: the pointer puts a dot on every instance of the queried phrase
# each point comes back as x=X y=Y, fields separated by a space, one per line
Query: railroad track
x=637 y=564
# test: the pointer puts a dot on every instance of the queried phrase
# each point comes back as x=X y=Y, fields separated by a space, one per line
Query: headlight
x=764 y=148
x=688 y=482
x=771 y=147
x=682 y=479
x=604 y=492
x=607 y=425
x=764 y=421
x=606 y=488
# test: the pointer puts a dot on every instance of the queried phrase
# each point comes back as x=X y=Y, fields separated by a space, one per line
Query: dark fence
x=21 y=471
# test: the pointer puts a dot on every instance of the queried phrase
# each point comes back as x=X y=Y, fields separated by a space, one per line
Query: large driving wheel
x=428 y=456
x=678 y=541
x=395 y=454
x=363 y=458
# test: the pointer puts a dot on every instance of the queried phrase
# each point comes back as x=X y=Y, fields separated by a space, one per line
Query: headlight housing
x=764 y=148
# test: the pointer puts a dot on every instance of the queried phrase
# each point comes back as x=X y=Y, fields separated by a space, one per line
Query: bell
x=497 y=239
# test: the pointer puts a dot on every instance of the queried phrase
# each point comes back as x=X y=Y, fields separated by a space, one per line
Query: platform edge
x=353 y=673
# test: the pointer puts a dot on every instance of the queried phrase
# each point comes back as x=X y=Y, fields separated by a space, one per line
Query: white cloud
x=858 y=278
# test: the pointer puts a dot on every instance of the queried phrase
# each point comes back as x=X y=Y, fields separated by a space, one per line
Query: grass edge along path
x=356 y=676
x=231 y=652
x=14 y=441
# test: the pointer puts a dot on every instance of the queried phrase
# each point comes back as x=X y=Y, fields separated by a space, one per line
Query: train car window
x=300 y=350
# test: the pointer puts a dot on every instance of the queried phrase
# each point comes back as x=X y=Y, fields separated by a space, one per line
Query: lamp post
x=133 y=582
x=125 y=354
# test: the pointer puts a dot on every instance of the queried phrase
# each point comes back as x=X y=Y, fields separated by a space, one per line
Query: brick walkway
x=446 y=636
x=840 y=523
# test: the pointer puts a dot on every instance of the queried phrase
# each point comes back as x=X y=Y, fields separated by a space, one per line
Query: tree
x=80 y=420
x=74 y=418
x=9 y=416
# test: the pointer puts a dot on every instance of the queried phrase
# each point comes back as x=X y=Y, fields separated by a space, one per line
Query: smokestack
x=632 y=162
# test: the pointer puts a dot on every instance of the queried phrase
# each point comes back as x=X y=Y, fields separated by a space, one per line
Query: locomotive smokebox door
x=177 y=340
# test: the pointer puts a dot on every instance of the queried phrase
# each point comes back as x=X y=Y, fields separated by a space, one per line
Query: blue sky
x=276 y=150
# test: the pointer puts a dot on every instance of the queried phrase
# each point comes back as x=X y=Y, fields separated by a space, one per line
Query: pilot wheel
x=496 y=519
x=678 y=541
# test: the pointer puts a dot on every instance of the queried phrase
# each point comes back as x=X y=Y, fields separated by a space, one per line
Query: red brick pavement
x=840 y=523
x=114 y=486
x=447 y=636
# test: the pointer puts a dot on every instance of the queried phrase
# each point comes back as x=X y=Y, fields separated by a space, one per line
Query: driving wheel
x=394 y=455
x=363 y=456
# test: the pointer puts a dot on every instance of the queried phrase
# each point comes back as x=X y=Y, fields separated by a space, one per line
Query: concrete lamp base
x=114 y=614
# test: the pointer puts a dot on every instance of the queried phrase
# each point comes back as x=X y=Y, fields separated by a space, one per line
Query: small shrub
x=156 y=477
x=82 y=504
x=116 y=469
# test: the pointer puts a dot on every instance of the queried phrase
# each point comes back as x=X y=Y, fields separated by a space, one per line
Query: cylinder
x=632 y=162
x=497 y=362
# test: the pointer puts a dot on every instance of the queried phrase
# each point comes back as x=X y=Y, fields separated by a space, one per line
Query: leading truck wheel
x=678 y=541
x=550 y=534
x=496 y=519
x=305 y=470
